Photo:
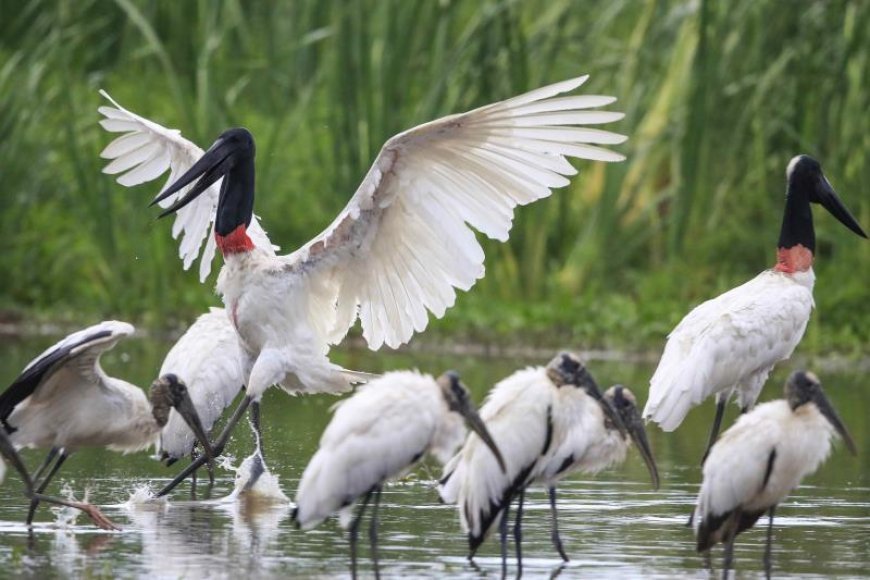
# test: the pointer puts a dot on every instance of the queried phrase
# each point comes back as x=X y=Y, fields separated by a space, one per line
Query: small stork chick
x=527 y=421
x=63 y=401
x=378 y=435
x=763 y=457
x=727 y=346
x=7 y=450
x=592 y=442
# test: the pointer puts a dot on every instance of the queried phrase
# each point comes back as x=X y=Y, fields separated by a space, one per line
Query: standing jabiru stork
x=63 y=401
x=527 y=420
x=727 y=346
x=379 y=434
x=761 y=459
x=7 y=450
x=592 y=442
x=399 y=249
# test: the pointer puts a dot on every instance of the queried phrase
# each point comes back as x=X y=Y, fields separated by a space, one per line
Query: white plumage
x=729 y=345
x=402 y=245
x=764 y=456
x=211 y=361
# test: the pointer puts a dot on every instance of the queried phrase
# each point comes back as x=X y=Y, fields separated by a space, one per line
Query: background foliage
x=718 y=96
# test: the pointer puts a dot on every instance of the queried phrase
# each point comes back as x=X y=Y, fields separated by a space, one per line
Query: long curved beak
x=638 y=434
x=213 y=165
x=187 y=410
x=591 y=387
x=7 y=450
x=476 y=424
x=831 y=202
x=833 y=418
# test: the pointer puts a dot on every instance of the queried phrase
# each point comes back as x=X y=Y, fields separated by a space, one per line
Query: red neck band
x=237 y=241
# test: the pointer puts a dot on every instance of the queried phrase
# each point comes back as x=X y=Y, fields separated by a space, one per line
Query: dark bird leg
x=193 y=475
x=48 y=459
x=218 y=447
x=354 y=531
x=373 y=529
x=518 y=532
x=768 y=563
x=721 y=401
x=502 y=532
x=554 y=534
x=729 y=543
x=34 y=503
x=258 y=467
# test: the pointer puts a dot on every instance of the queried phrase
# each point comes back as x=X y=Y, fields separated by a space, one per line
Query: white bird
x=547 y=421
x=63 y=401
x=7 y=450
x=727 y=346
x=761 y=459
x=378 y=435
x=399 y=249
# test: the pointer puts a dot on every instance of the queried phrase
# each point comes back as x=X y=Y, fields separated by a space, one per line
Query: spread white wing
x=402 y=245
x=146 y=151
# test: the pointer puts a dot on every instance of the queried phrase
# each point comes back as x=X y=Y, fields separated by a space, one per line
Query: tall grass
x=718 y=97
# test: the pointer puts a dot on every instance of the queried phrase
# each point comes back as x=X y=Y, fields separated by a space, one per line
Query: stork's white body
x=375 y=436
x=401 y=247
x=586 y=443
x=78 y=405
x=728 y=345
x=519 y=413
x=735 y=470
x=210 y=359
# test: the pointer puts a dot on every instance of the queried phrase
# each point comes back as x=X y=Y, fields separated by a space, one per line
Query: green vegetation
x=718 y=96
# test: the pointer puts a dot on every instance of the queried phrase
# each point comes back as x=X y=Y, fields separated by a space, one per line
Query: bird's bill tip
x=828 y=411
x=476 y=424
x=638 y=435
x=188 y=412
x=835 y=206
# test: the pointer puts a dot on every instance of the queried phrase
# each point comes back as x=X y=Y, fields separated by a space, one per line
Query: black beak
x=591 y=387
x=638 y=435
x=476 y=424
x=213 y=165
x=188 y=412
x=11 y=455
x=830 y=414
x=831 y=202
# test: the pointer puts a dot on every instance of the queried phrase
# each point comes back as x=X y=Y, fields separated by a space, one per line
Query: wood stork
x=63 y=400
x=727 y=346
x=212 y=362
x=548 y=421
x=7 y=450
x=760 y=459
x=378 y=435
x=398 y=250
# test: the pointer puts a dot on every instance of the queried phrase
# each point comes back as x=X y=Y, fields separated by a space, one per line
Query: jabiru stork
x=727 y=346
x=398 y=250
x=379 y=434
x=761 y=459
x=63 y=401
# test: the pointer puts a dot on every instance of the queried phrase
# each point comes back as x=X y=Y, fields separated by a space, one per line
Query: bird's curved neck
x=235 y=209
x=797 y=237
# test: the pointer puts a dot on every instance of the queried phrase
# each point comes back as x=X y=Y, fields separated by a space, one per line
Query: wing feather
x=147 y=150
x=403 y=244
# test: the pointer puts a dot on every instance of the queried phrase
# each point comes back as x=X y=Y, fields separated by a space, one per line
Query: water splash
x=254 y=481
x=143 y=496
x=65 y=516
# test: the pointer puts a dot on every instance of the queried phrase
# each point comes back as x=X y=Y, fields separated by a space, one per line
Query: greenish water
x=614 y=525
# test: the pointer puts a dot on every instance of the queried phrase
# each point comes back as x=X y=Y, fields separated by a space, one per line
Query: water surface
x=613 y=525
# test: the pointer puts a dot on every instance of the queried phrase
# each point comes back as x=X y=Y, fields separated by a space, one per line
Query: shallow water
x=613 y=525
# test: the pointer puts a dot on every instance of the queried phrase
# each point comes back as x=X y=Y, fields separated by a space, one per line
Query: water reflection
x=614 y=526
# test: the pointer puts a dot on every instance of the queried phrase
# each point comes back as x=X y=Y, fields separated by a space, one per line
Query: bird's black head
x=807 y=184
x=623 y=401
x=566 y=368
x=230 y=157
x=804 y=388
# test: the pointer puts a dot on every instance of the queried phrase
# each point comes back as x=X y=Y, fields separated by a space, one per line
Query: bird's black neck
x=235 y=209
x=797 y=221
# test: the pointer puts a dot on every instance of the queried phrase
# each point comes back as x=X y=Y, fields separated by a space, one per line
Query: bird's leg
x=373 y=529
x=721 y=401
x=354 y=531
x=729 y=543
x=518 y=532
x=218 y=447
x=48 y=459
x=34 y=501
x=502 y=532
x=768 y=564
x=254 y=420
x=554 y=535
x=193 y=457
